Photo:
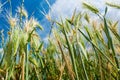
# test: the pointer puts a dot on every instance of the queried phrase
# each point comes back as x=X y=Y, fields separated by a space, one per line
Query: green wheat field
x=78 y=48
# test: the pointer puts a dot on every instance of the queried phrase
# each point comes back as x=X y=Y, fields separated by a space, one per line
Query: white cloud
x=1 y=53
x=65 y=8
x=1 y=50
x=46 y=40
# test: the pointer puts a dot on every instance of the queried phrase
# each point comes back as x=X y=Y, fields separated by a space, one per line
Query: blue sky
x=62 y=8
x=31 y=6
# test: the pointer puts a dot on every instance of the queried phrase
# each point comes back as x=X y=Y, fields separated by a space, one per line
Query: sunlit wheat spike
x=115 y=24
x=87 y=18
x=12 y=20
x=46 y=15
x=73 y=16
x=23 y=12
x=29 y=25
x=90 y=7
x=113 y=5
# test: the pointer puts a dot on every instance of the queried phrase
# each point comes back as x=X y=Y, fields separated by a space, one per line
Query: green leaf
x=83 y=50
x=106 y=9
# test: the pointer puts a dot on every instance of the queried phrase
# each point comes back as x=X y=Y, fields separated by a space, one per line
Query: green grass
x=75 y=50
